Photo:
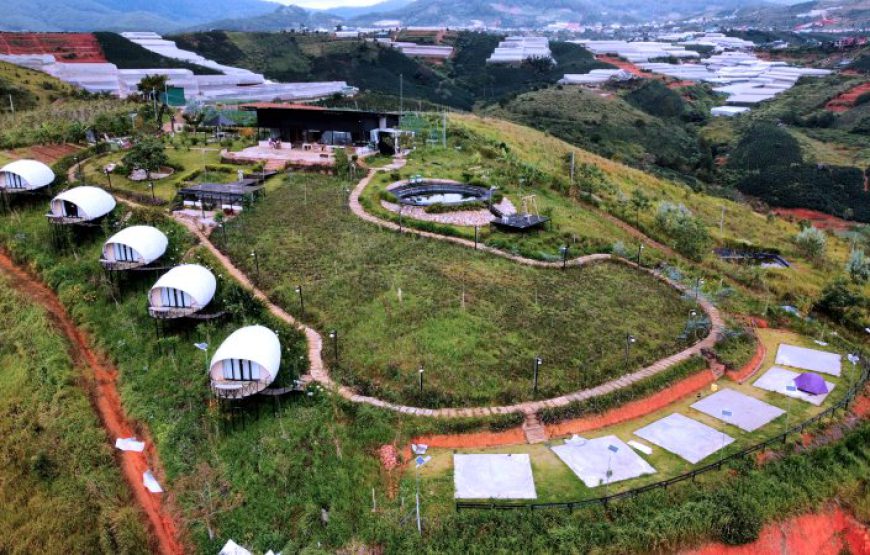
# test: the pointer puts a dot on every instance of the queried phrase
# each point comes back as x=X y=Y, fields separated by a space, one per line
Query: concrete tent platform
x=776 y=379
x=737 y=409
x=684 y=437
x=493 y=477
x=809 y=359
x=591 y=460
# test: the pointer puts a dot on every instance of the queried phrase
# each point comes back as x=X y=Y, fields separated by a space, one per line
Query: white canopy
x=148 y=243
x=92 y=202
x=254 y=343
x=192 y=279
x=25 y=175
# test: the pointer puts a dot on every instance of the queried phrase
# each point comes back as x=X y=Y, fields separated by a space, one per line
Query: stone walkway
x=318 y=372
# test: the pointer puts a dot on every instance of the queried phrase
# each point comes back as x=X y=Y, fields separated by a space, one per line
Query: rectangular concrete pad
x=809 y=359
x=589 y=460
x=493 y=477
x=776 y=379
x=684 y=437
x=747 y=413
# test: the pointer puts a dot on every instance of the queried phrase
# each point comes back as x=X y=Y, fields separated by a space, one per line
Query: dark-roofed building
x=303 y=123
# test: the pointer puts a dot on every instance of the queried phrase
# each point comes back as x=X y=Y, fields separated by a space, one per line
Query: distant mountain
x=281 y=19
x=534 y=13
x=381 y=7
x=121 y=15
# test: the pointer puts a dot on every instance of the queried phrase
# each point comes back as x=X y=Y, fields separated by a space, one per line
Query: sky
x=325 y=4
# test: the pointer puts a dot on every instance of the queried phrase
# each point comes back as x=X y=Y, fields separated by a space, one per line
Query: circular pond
x=427 y=193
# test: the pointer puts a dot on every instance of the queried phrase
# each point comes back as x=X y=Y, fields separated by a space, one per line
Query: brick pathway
x=319 y=373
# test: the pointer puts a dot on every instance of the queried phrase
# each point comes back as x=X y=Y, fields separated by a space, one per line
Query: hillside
x=30 y=89
x=460 y=83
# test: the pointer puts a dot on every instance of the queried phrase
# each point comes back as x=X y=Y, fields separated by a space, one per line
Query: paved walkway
x=318 y=372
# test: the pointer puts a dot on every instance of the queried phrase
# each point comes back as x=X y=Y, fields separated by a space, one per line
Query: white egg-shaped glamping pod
x=133 y=247
x=80 y=205
x=245 y=363
x=182 y=291
x=22 y=176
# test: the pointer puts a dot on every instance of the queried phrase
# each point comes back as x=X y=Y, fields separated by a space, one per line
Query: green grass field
x=474 y=321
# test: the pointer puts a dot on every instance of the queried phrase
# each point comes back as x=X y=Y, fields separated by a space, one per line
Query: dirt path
x=106 y=400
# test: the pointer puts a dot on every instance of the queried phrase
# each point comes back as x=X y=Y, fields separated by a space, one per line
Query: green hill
x=30 y=89
x=459 y=83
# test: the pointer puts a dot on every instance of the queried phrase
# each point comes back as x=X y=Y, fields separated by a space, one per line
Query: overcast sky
x=324 y=4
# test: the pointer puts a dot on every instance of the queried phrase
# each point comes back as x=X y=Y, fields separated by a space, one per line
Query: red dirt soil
x=107 y=402
x=634 y=70
x=634 y=409
x=70 y=48
x=829 y=533
x=47 y=154
x=846 y=101
x=817 y=219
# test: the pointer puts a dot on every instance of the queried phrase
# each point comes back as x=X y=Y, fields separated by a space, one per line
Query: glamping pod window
x=25 y=175
x=182 y=291
x=81 y=204
x=245 y=363
x=134 y=246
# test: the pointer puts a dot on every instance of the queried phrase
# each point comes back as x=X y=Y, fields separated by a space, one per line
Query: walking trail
x=105 y=398
x=319 y=373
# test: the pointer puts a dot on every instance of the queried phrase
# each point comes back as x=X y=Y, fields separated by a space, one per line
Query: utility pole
x=401 y=98
x=11 y=105
x=572 y=167
x=722 y=221
x=444 y=129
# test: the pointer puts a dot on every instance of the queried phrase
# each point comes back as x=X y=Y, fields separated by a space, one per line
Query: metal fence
x=830 y=412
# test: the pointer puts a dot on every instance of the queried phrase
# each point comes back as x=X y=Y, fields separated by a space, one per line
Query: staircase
x=533 y=429
x=275 y=165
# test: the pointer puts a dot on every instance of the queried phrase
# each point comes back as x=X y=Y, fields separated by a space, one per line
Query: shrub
x=812 y=243
x=439 y=208
x=689 y=233
x=858 y=266
x=739 y=516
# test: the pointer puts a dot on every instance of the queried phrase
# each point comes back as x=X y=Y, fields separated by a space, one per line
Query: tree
x=150 y=87
x=689 y=233
x=858 y=266
x=812 y=243
x=148 y=154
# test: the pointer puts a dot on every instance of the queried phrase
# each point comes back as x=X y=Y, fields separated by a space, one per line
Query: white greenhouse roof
x=148 y=241
x=34 y=173
x=255 y=343
x=93 y=202
x=193 y=279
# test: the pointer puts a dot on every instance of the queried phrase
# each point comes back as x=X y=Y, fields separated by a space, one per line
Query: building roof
x=309 y=108
x=255 y=343
x=92 y=201
x=193 y=279
x=148 y=241
x=34 y=173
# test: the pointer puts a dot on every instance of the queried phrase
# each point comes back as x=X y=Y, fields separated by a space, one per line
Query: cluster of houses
x=246 y=363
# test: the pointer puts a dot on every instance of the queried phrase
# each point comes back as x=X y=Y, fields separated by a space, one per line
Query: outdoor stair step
x=533 y=429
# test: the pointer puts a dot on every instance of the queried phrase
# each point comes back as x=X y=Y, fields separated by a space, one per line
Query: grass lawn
x=192 y=161
x=555 y=482
x=474 y=321
x=572 y=223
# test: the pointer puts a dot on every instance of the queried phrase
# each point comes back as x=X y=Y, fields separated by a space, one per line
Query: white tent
x=182 y=291
x=133 y=246
x=25 y=175
x=246 y=362
x=80 y=204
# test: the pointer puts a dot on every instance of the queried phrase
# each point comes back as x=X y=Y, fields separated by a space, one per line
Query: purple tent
x=811 y=383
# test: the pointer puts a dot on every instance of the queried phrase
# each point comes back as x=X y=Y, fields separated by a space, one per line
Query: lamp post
x=538 y=362
x=333 y=334
x=151 y=186
x=476 y=236
x=640 y=248
x=698 y=283
x=564 y=250
x=629 y=340
x=420 y=371
x=256 y=265
x=76 y=164
x=204 y=348
x=108 y=177
x=301 y=300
